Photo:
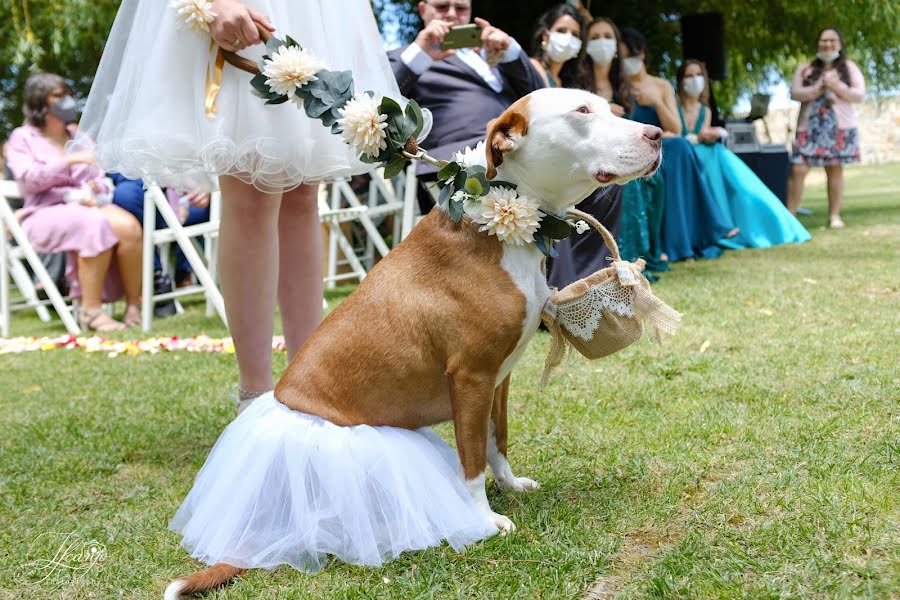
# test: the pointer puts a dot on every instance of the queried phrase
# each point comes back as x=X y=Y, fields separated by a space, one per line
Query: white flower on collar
x=581 y=227
x=509 y=216
x=290 y=68
x=363 y=126
x=470 y=158
x=196 y=15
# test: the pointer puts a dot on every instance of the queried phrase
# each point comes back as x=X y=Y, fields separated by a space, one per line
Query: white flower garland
x=196 y=15
x=290 y=68
x=512 y=217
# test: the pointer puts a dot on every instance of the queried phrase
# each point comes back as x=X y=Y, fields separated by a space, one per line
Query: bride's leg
x=300 y=257
x=248 y=264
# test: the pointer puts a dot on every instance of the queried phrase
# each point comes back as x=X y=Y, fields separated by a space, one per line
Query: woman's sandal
x=96 y=319
x=134 y=318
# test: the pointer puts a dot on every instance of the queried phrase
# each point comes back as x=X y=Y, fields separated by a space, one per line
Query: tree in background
x=766 y=39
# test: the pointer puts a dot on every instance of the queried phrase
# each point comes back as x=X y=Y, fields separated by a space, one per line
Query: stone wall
x=879 y=128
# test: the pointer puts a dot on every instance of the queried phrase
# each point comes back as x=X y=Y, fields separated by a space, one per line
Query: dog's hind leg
x=471 y=395
x=497 y=434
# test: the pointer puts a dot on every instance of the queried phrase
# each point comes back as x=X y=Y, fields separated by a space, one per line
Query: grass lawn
x=754 y=455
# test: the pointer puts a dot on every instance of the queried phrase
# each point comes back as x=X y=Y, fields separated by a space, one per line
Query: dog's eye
x=584 y=109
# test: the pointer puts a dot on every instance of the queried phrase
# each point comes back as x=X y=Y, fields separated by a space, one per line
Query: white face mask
x=828 y=57
x=632 y=65
x=562 y=46
x=693 y=86
x=602 y=50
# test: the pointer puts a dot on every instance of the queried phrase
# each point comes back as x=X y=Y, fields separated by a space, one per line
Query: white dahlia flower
x=290 y=68
x=469 y=157
x=509 y=216
x=196 y=15
x=364 y=127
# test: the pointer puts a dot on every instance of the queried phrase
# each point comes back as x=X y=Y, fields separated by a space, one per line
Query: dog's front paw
x=518 y=484
x=503 y=523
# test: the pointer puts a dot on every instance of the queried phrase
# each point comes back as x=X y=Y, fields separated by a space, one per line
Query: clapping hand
x=199 y=200
x=831 y=79
x=430 y=38
x=234 y=26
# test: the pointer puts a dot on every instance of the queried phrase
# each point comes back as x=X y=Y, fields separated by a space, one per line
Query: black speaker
x=703 y=38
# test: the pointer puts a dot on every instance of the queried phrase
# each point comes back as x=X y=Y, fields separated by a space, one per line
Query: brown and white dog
x=432 y=333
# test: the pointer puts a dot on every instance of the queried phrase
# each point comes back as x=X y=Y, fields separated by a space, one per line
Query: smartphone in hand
x=463 y=36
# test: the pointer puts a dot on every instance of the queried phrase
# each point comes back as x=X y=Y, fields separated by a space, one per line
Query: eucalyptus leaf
x=414 y=114
x=389 y=107
x=456 y=210
x=474 y=187
x=475 y=169
x=501 y=183
x=445 y=194
x=274 y=44
x=259 y=84
x=459 y=182
x=278 y=100
x=449 y=170
x=291 y=42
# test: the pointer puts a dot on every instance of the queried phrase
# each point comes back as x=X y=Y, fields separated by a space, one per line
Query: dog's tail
x=216 y=575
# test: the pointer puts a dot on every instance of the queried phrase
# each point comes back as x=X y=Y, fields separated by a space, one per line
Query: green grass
x=762 y=464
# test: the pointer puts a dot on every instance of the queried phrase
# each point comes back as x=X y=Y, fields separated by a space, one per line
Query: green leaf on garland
x=459 y=182
x=456 y=210
x=449 y=170
x=291 y=42
x=445 y=194
x=274 y=44
x=369 y=159
x=474 y=187
x=475 y=169
x=500 y=183
x=259 y=84
x=395 y=168
x=278 y=100
x=545 y=245
x=414 y=114
x=554 y=228
x=389 y=107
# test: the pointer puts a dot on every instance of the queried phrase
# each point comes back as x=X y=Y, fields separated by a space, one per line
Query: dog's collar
x=465 y=188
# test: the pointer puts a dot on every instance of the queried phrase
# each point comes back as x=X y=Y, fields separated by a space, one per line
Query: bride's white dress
x=146 y=110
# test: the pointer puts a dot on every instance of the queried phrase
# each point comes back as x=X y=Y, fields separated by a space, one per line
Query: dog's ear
x=503 y=134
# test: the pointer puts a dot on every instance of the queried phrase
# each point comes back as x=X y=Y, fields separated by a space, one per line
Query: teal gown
x=743 y=198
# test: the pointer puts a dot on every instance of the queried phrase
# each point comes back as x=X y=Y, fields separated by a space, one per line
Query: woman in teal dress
x=742 y=197
x=692 y=223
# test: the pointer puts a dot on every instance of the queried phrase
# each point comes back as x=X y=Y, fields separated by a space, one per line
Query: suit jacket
x=461 y=101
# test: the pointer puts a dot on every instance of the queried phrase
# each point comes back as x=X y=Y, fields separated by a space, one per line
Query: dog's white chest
x=523 y=264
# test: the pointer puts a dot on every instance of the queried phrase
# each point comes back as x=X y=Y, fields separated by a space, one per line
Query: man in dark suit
x=464 y=89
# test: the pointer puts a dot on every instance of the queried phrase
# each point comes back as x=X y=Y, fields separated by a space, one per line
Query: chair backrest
x=10 y=189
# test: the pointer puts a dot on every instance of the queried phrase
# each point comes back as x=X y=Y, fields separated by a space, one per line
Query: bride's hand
x=234 y=27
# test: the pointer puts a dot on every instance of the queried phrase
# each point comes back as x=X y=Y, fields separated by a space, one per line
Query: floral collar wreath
x=383 y=134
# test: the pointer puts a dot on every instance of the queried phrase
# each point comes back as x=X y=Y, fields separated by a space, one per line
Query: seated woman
x=742 y=197
x=557 y=47
x=67 y=207
x=642 y=199
x=692 y=224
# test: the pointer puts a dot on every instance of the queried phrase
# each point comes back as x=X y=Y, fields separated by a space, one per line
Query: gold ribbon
x=214 y=80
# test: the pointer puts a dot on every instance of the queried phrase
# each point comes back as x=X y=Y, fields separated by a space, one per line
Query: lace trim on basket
x=582 y=316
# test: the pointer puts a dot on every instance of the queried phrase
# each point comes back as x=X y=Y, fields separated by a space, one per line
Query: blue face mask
x=66 y=110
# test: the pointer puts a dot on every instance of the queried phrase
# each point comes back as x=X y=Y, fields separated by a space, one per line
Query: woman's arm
x=805 y=93
x=541 y=71
x=667 y=107
x=34 y=176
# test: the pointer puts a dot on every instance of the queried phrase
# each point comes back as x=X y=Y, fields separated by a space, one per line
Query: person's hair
x=38 y=88
x=704 y=95
x=817 y=66
x=574 y=72
x=636 y=43
x=621 y=89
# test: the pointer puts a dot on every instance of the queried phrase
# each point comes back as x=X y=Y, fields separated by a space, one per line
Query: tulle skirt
x=146 y=110
x=284 y=487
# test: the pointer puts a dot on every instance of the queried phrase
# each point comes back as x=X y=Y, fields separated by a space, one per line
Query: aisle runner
x=115 y=348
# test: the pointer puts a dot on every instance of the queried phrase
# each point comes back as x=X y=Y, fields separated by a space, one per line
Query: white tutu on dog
x=284 y=487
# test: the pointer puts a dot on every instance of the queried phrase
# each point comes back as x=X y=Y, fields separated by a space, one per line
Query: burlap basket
x=604 y=312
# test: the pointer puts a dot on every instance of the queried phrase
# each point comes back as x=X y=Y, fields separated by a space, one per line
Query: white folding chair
x=13 y=259
x=338 y=204
x=205 y=268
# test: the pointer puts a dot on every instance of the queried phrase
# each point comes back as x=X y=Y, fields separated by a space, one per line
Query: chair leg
x=4 y=283
x=147 y=263
x=23 y=281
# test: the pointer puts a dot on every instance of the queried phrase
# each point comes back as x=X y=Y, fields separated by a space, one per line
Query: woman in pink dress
x=67 y=210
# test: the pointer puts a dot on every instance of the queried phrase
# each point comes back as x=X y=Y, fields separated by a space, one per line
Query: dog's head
x=560 y=145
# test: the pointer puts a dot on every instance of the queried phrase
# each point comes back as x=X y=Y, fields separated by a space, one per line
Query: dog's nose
x=652 y=134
